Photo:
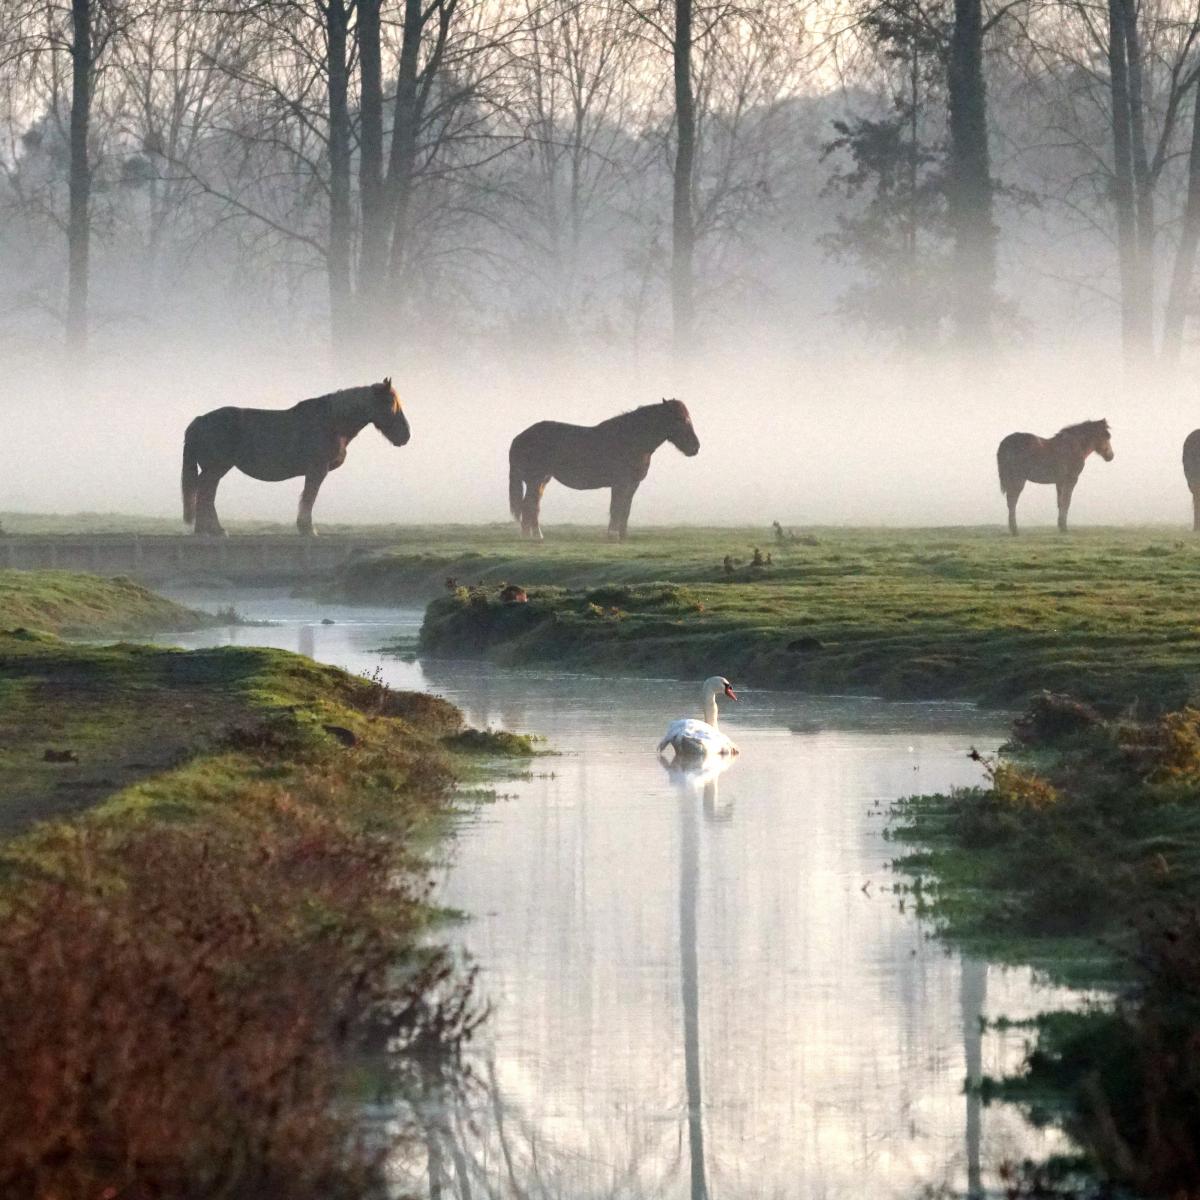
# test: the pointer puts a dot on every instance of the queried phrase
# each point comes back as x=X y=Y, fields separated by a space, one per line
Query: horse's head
x=678 y=427
x=1102 y=440
x=386 y=414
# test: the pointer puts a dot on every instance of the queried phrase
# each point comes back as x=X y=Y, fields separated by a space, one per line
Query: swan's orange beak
x=729 y=692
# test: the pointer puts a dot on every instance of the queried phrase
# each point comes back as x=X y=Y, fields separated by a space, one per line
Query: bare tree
x=1123 y=73
x=39 y=44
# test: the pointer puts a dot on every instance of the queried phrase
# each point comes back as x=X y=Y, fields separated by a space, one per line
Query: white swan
x=701 y=738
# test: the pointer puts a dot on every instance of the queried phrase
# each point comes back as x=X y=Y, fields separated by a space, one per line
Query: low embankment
x=1081 y=853
x=83 y=605
x=215 y=904
x=1108 y=616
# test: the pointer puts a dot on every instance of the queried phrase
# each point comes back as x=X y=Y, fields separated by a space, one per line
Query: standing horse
x=1023 y=457
x=1191 y=472
x=614 y=454
x=309 y=439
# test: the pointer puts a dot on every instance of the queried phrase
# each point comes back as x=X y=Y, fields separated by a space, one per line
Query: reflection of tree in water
x=974 y=997
x=463 y=1139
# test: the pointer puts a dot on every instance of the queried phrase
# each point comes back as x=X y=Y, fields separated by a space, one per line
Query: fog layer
x=795 y=438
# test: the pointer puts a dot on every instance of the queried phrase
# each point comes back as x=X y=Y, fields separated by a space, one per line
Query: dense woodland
x=612 y=173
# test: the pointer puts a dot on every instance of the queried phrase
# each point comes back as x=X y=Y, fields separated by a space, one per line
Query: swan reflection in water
x=692 y=780
x=702 y=778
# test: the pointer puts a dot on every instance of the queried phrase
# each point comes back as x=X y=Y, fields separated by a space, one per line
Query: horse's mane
x=343 y=394
x=1087 y=427
x=643 y=410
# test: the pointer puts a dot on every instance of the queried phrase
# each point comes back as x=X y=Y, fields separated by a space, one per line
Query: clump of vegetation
x=496 y=742
x=1125 y=1080
x=177 y=1003
x=1090 y=838
x=189 y=967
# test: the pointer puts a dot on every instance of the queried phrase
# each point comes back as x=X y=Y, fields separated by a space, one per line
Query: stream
x=700 y=985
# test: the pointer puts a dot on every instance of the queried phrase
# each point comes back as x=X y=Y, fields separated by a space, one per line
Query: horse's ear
x=387 y=381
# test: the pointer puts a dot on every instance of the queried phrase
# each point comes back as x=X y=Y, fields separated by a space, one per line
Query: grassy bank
x=221 y=907
x=1081 y=853
x=1108 y=615
x=83 y=605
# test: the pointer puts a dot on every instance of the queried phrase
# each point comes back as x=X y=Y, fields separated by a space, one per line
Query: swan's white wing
x=689 y=736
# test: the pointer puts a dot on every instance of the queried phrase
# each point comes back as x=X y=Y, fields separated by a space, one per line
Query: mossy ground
x=82 y=605
x=968 y=614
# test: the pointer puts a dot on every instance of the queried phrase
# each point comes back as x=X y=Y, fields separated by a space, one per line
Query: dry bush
x=176 y=1003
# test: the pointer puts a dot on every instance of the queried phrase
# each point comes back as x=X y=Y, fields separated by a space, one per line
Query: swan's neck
x=710 y=709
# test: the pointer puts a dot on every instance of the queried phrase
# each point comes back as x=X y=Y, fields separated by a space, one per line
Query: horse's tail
x=190 y=476
x=1004 y=465
x=516 y=490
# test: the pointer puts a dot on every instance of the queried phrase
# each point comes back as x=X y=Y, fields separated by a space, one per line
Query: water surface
x=700 y=984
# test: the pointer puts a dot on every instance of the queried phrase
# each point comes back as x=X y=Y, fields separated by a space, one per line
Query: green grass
x=971 y=614
x=84 y=605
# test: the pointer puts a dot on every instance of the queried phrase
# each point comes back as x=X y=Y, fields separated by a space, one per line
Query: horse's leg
x=1196 y=509
x=1064 y=503
x=531 y=510
x=308 y=497
x=1012 y=496
x=613 y=509
x=622 y=500
x=207 y=523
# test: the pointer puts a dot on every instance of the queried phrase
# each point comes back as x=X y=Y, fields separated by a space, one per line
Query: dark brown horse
x=309 y=439
x=1024 y=457
x=1191 y=472
x=614 y=454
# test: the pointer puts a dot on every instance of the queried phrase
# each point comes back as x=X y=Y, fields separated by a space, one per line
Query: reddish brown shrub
x=176 y=1001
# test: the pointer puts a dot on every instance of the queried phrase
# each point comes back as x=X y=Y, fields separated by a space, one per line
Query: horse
x=308 y=439
x=1023 y=457
x=614 y=454
x=1191 y=472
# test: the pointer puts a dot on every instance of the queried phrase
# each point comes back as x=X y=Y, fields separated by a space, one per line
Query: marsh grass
x=1106 y=615
x=1081 y=854
x=226 y=917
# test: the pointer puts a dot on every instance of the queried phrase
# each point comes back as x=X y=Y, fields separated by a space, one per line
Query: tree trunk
x=1123 y=190
x=402 y=157
x=683 y=223
x=1143 y=190
x=372 y=270
x=336 y=34
x=80 y=181
x=970 y=182
x=1185 y=254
